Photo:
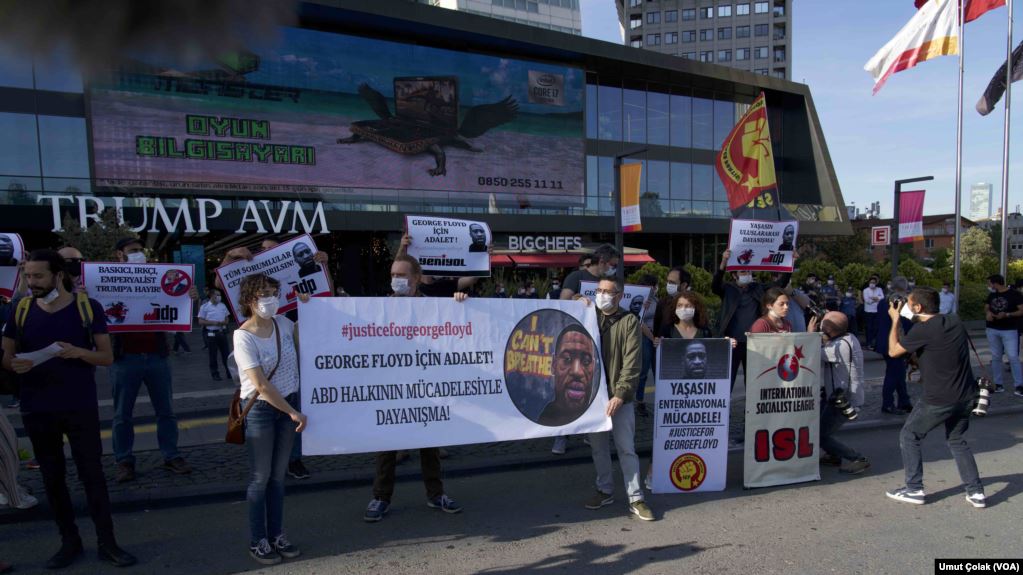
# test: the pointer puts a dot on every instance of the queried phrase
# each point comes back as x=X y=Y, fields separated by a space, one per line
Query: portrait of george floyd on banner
x=330 y=113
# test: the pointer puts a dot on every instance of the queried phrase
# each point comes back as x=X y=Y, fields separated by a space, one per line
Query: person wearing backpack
x=58 y=397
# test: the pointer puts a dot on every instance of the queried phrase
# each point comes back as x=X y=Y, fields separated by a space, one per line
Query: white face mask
x=944 y=290
x=605 y=302
x=611 y=271
x=744 y=279
x=266 y=307
x=685 y=313
x=990 y=289
x=672 y=289
x=873 y=285
x=400 y=286
x=136 y=257
x=906 y=312
x=215 y=300
x=848 y=294
x=831 y=282
x=48 y=298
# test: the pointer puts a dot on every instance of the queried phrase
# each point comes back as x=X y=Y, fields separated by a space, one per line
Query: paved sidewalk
x=221 y=470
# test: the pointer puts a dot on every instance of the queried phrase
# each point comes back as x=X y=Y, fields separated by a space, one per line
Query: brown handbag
x=235 y=414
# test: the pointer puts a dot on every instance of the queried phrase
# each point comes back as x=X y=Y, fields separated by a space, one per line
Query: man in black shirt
x=1003 y=309
x=950 y=392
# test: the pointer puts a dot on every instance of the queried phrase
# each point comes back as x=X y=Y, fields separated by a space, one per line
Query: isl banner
x=759 y=245
x=911 y=216
x=381 y=374
x=782 y=409
x=12 y=252
x=141 y=297
x=634 y=301
x=450 y=247
x=290 y=263
x=691 y=429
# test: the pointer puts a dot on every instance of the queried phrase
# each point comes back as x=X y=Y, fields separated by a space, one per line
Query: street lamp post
x=895 y=224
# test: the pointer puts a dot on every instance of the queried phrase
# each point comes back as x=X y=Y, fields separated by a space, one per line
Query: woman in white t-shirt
x=266 y=351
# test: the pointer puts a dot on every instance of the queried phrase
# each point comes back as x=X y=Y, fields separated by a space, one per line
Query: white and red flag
x=974 y=8
x=933 y=31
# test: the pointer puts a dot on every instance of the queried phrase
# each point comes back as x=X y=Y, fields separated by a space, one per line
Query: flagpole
x=1004 y=247
x=959 y=158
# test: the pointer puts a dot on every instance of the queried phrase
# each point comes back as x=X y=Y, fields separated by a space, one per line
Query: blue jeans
x=923 y=420
x=127 y=375
x=1004 y=341
x=894 y=384
x=831 y=421
x=649 y=353
x=269 y=434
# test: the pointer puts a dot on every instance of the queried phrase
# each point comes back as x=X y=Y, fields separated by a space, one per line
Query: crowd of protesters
x=58 y=398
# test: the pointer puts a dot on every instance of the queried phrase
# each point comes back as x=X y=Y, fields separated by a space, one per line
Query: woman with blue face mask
x=266 y=351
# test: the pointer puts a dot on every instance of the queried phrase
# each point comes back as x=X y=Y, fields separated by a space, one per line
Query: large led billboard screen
x=319 y=111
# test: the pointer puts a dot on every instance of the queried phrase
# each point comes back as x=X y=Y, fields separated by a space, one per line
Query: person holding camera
x=949 y=394
x=842 y=377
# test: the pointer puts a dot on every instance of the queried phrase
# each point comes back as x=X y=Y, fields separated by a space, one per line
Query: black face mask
x=73 y=267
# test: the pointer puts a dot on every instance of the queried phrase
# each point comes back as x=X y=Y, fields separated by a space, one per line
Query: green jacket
x=621 y=352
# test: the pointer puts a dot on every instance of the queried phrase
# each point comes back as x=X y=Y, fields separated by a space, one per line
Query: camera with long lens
x=814 y=310
x=984 y=390
x=841 y=403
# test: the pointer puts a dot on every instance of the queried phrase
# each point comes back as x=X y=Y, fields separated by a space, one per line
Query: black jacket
x=730 y=294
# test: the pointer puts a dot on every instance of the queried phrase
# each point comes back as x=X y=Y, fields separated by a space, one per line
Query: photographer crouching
x=842 y=378
x=950 y=391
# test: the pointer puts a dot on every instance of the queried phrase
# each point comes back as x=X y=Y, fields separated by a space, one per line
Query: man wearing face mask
x=603 y=263
x=59 y=398
x=1002 y=311
x=894 y=395
x=950 y=392
x=73 y=260
x=947 y=299
x=872 y=296
x=740 y=307
x=142 y=358
x=678 y=279
x=842 y=373
x=405 y=276
x=622 y=356
x=213 y=318
x=829 y=293
x=555 y=291
x=432 y=286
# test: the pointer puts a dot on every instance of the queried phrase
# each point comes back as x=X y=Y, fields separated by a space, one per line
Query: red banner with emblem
x=745 y=163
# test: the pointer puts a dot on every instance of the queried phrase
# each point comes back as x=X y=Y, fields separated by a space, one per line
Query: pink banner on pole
x=911 y=216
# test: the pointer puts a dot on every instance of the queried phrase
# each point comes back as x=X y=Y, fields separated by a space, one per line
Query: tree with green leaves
x=96 y=242
x=975 y=246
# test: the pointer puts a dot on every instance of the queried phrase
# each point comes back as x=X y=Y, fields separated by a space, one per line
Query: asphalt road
x=532 y=521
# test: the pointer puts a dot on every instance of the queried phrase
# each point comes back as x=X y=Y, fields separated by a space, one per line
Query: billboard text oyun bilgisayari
x=319 y=112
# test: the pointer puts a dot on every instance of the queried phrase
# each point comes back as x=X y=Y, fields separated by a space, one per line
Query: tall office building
x=559 y=15
x=754 y=35
x=981 y=196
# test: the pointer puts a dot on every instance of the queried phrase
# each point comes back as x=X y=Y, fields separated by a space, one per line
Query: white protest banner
x=691 y=421
x=141 y=297
x=12 y=252
x=633 y=301
x=450 y=247
x=290 y=263
x=380 y=374
x=762 y=246
x=782 y=409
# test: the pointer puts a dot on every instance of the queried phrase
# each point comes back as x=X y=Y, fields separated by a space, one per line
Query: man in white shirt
x=872 y=295
x=213 y=317
x=946 y=299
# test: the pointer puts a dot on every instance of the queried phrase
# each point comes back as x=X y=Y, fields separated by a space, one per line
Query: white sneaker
x=977 y=500
x=560 y=444
x=27 y=501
